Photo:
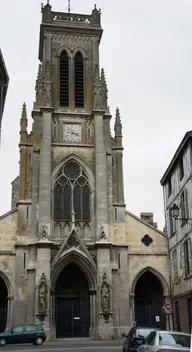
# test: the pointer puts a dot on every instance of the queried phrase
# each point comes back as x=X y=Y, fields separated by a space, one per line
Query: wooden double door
x=72 y=317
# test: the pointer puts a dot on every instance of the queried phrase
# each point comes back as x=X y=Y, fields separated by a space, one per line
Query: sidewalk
x=83 y=341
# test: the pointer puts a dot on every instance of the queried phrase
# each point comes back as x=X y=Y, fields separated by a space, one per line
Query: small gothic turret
x=39 y=79
x=118 y=128
x=104 y=89
x=46 y=12
x=118 y=124
x=96 y=15
x=103 y=79
x=23 y=124
x=39 y=88
x=97 y=92
x=47 y=84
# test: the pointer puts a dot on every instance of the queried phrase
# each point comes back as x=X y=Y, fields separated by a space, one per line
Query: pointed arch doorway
x=149 y=300
x=72 y=303
x=3 y=304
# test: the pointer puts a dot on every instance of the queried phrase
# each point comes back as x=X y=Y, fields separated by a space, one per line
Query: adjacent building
x=71 y=257
x=4 y=81
x=177 y=189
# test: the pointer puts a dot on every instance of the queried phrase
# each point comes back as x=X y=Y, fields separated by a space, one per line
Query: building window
x=172 y=223
x=24 y=261
x=72 y=192
x=175 y=265
x=184 y=207
x=177 y=316
x=79 y=81
x=169 y=185
x=115 y=213
x=30 y=159
x=64 y=79
x=188 y=257
x=119 y=260
x=181 y=168
x=189 y=306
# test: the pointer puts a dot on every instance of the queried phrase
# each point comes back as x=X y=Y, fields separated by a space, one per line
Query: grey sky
x=146 y=51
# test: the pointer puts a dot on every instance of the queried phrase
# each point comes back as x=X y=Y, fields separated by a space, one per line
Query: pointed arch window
x=79 y=80
x=64 y=79
x=72 y=191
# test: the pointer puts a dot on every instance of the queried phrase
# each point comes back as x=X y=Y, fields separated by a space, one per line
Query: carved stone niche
x=42 y=297
x=106 y=298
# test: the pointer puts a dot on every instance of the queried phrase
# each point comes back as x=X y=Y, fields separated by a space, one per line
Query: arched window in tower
x=72 y=191
x=79 y=80
x=64 y=79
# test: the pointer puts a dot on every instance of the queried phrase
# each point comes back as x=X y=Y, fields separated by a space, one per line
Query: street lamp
x=175 y=212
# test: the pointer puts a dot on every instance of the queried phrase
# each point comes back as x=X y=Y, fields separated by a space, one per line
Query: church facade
x=71 y=257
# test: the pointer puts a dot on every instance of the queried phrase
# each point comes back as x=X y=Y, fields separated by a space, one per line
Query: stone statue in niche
x=43 y=295
x=105 y=298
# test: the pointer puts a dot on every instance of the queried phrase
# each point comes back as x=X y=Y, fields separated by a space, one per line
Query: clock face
x=72 y=132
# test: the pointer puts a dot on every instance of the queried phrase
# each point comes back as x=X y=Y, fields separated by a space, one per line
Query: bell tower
x=70 y=43
x=72 y=192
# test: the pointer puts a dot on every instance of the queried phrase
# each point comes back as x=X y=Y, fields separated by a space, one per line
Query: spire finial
x=103 y=79
x=24 y=112
x=23 y=124
x=73 y=220
x=118 y=125
x=69 y=6
x=73 y=217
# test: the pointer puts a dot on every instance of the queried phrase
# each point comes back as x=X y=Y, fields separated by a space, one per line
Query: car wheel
x=2 y=342
x=39 y=341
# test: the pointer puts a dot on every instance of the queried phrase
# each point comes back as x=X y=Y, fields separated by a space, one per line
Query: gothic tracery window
x=72 y=191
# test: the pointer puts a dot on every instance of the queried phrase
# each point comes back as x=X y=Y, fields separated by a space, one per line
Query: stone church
x=71 y=257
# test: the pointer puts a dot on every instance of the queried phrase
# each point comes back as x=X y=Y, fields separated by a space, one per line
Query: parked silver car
x=166 y=341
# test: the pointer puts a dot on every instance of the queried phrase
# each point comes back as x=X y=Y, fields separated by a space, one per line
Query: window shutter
x=186 y=204
x=190 y=255
x=175 y=266
x=182 y=207
x=170 y=223
x=182 y=259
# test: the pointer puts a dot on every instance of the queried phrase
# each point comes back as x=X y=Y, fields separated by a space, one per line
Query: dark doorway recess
x=3 y=305
x=72 y=303
x=149 y=301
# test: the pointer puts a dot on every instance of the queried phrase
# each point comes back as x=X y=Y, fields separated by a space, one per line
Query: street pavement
x=66 y=345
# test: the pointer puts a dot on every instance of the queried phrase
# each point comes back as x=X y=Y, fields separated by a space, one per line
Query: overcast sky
x=146 y=51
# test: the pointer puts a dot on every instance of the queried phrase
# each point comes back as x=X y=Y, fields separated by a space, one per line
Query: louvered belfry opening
x=79 y=81
x=64 y=79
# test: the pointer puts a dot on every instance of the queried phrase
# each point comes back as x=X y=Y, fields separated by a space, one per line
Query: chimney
x=148 y=219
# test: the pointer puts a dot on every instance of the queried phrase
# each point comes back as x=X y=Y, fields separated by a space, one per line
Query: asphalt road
x=68 y=345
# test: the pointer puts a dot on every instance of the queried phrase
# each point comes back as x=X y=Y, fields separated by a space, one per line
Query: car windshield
x=171 y=339
x=143 y=332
